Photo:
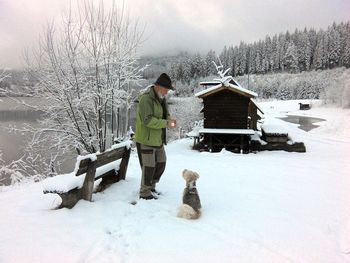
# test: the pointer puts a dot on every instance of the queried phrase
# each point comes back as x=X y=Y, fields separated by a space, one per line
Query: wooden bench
x=274 y=133
x=88 y=165
x=275 y=138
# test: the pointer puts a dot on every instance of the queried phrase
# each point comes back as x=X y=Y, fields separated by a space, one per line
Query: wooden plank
x=295 y=147
x=124 y=164
x=227 y=131
x=88 y=185
x=102 y=159
x=224 y=125
x=70 y=198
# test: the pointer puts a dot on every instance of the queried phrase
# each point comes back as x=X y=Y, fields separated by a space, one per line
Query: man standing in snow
x=152 y=119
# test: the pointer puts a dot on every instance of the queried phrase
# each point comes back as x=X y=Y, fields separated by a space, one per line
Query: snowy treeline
x=332 y=86
x=302 y=50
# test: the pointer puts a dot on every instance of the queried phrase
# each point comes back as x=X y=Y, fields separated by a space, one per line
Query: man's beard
x=160 y=95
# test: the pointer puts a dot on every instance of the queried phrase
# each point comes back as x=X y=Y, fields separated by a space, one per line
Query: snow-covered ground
x=265 y=207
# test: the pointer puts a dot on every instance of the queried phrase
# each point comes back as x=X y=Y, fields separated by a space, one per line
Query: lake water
x=306 y=123
x=14 y=114
x=12 y=144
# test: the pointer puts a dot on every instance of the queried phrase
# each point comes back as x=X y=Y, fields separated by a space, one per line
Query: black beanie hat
x=164 y=81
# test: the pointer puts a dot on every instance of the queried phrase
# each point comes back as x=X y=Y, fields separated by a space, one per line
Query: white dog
x=191 y=207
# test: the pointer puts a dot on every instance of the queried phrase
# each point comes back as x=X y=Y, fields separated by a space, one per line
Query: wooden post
x=124 y=164
x=210 y=142
x=88 y=185
x=242 y=143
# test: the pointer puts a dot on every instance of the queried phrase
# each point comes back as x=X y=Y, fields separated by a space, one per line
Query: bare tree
x=1 y=158
x=3 y=75
x=85 y=67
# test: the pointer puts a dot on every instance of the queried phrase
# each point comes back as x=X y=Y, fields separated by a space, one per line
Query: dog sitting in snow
x=191 y=207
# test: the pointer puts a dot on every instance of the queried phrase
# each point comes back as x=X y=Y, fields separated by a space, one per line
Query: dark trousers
x=152 y=161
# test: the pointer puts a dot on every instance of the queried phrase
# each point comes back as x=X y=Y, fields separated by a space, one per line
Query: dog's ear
x=185 y=174
x=196 y=174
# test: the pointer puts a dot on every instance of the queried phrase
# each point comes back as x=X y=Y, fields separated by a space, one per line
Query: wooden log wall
x=226 y=109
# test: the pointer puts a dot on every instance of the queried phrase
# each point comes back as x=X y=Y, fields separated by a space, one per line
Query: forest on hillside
x=306 y=64
x=277 y=65
x=303 y=50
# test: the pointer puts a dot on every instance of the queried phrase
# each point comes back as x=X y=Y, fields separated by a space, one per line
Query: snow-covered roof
x=257 y=105
x=224 y=82
x=228 y=86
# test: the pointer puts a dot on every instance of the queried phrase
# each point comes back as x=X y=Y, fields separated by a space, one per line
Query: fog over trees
x=304 y=50
x=305 y=64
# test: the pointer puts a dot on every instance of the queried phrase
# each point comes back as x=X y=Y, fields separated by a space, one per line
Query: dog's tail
x=186 y=211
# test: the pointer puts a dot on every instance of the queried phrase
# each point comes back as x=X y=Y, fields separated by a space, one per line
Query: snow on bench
x=66 y=182
x=109 y=166
x=273 y=129
x=274 y=133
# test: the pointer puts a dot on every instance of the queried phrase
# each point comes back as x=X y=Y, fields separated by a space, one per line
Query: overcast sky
x=193 y=25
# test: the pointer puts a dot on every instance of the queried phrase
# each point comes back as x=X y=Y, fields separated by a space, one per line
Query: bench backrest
x=102 y=159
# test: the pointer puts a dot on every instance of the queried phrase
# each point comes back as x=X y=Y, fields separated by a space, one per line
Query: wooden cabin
x=230 y=115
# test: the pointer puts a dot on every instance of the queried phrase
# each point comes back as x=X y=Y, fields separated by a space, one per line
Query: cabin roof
x=229 y=86
x=256 y=105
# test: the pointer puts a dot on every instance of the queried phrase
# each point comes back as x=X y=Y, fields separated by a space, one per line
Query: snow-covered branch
x=225 y=80
x=3 y=75
x=85 y=67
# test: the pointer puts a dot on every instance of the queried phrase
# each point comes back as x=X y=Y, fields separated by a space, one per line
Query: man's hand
x=171 y=123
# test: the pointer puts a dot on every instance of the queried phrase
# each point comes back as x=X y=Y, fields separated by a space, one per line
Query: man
x=152 y=119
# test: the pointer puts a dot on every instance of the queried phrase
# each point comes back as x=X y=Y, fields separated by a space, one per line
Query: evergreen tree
x=198 y=66
x=232 y=60
x=304 y=51
x=224 y=57
x=187 y=70
x=282 y=49
x=275 y=61
x=346 y=54
x=268 y=62
x=320 y=59
x=259 y=59
x=312 y=35
x=290 y=59
x=209 y=66
x=334 y=46
x=241 y=59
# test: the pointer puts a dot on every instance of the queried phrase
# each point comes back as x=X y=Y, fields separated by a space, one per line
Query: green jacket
x=151 y=119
